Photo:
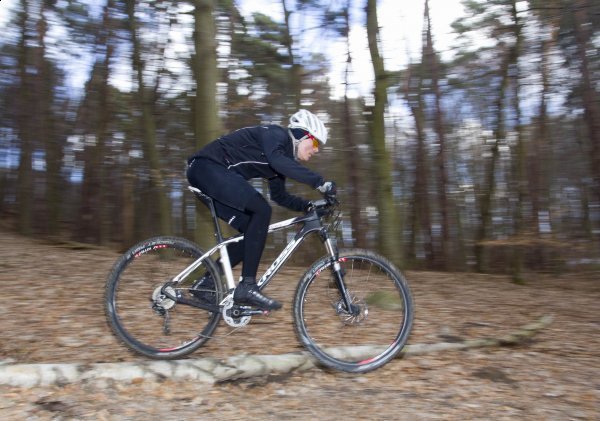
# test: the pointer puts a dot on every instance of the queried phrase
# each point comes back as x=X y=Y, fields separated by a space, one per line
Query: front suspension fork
x=338 y=274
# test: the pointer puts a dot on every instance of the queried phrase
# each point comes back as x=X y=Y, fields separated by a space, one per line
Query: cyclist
x=221 y=170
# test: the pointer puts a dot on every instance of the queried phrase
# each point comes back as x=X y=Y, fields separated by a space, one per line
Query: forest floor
x=52 y=312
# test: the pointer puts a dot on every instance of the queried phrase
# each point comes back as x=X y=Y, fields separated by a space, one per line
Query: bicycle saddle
x=204 y=198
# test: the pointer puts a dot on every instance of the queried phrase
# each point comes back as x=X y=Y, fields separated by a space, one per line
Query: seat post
x=225 y=263
x=208 y=201
x=213 y=212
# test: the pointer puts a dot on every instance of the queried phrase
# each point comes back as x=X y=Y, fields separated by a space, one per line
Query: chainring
x=226 y=308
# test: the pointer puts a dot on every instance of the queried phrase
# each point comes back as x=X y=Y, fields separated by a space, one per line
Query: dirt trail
x=52 y=312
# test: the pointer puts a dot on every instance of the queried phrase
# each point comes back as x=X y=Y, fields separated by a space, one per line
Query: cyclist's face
x=307 y=148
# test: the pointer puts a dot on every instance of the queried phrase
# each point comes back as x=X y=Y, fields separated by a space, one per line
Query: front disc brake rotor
x=359 y=314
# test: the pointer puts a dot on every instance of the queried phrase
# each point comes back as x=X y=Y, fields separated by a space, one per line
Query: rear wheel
x=137 y=303
x=369 y=334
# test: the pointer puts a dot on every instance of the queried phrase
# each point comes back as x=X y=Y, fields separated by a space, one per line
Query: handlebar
x=326 y=202
x=325 y=206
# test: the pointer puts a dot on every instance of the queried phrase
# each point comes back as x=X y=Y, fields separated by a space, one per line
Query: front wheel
x=368 y=334
x=138 y=304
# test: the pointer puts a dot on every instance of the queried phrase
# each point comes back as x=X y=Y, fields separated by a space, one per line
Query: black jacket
x=263 y=152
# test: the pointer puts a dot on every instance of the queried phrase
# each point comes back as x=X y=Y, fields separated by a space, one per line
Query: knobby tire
x=371 y=336
x=129 y=303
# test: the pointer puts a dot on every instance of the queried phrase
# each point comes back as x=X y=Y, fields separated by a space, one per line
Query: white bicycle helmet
x=306 y=120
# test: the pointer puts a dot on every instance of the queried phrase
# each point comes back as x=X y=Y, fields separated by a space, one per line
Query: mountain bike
x=352 y=309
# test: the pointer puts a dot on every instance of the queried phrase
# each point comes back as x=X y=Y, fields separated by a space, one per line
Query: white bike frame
x=311 y=223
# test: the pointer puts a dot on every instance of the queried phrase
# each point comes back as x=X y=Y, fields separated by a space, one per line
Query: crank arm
x=243 y=311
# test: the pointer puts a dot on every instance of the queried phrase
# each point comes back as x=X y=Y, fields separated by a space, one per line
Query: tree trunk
x=445 y=255
x=207 y=125
x=295 y=68
x=102 y=132
x=590 y=98
x=146 y=104
x=352 y=160
x=538 y=153
x=52 y=143
x=128 y=209
x=520 y=181
x=25 y=172
x=94 y=225
x=421 y=216
x=389 y=228
x=489 y=186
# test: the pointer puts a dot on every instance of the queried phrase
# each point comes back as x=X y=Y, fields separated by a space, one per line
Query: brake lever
x=332 y=200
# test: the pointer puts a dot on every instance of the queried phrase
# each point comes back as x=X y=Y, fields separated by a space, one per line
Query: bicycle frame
x=311 y=223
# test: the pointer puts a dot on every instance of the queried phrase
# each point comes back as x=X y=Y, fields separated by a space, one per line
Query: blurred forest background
x=488 y=161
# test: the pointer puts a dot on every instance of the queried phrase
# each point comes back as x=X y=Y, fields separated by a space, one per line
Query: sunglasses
x=315 y=142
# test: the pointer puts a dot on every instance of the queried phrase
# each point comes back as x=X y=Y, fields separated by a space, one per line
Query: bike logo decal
x=149 y=248
x=278 y=262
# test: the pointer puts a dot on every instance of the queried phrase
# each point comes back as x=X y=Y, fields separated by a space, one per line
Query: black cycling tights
x=255 y=235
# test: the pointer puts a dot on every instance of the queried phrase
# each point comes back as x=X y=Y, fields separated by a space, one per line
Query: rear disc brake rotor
x=161 y=299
